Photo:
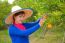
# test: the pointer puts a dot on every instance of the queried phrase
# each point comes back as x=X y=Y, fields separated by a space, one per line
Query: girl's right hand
x=41 y=22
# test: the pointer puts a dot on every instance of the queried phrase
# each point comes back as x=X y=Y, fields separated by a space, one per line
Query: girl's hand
x=42 y=20
x=44 y=16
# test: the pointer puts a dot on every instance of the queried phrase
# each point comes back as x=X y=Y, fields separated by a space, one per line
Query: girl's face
x=19 y=18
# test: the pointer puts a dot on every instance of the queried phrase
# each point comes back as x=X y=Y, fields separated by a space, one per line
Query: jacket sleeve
x=31 y=24
x=27 y=32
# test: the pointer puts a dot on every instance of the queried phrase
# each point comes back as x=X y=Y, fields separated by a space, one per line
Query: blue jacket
x=22 y=36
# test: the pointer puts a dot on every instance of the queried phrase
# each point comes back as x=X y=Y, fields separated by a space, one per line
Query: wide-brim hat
x=15 y=9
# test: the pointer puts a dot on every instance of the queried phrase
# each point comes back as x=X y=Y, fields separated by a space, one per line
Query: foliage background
x=55 y=9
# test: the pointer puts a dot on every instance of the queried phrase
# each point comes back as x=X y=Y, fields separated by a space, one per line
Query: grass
x=4 y=37
x=50 y=37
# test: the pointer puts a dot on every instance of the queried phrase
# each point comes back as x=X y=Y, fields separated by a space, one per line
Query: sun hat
x=15 y=9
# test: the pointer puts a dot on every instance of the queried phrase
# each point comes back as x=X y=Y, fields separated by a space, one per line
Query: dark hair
x=16 y=14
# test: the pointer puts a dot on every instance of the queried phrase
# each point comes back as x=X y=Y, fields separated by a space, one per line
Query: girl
x=18 y=31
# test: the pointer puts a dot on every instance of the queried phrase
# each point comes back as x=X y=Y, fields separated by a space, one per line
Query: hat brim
x=9 y=19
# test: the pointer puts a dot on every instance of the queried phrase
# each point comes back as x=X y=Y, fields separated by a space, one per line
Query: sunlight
x=2 y=0
x=10 y=1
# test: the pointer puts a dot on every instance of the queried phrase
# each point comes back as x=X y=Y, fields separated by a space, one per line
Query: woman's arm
x=31 y=24
x=14 y=31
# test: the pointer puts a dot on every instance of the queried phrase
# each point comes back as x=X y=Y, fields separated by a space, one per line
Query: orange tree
x=55 y=8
